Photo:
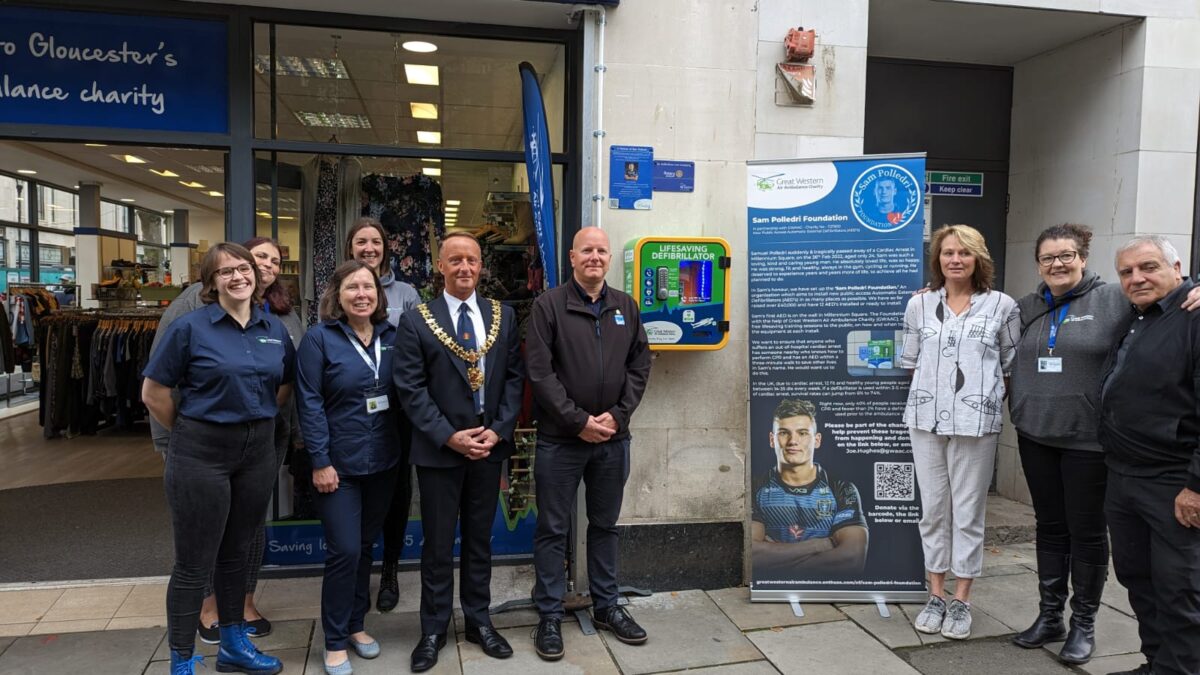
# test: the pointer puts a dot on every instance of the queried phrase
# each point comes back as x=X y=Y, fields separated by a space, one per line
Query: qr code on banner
x=894 y=481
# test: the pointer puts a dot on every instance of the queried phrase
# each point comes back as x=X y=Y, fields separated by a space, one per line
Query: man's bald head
x=590 y=234
x=590 y=256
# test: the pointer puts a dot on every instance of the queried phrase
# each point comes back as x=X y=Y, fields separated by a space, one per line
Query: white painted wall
x=1104 y=134
x=696 y=80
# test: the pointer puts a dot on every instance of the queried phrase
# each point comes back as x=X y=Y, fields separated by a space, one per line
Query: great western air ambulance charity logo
x=884 y=198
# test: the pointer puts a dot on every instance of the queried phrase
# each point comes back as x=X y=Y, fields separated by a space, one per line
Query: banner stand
x=835 y=250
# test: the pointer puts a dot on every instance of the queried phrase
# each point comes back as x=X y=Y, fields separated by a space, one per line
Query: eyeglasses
x=1066 y=258
x=226 y=273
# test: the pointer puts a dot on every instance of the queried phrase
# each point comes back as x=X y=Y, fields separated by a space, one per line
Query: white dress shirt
x=472 y=303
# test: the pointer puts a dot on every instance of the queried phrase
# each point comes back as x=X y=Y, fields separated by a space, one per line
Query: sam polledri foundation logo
x=885 y=198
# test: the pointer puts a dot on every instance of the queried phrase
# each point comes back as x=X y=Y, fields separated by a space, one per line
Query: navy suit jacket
x=431 y=384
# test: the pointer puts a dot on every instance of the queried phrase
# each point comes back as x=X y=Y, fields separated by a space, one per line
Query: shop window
x=14 y=205
x=14 y=256
x=56 y=257
x=151 y=227
x=57 y=209
x=367 y=87
x=114 y=216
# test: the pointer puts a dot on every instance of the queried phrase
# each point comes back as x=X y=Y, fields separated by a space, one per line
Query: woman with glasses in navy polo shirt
x=232 y=364
x=348 y=412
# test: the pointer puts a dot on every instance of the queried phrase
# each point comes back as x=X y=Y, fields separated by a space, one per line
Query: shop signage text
x=107 y=70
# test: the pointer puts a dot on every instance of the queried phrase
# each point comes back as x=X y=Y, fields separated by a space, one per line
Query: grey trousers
x=953 y=473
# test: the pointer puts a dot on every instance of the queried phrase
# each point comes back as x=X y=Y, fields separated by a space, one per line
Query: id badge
x=377 y=400
x=1050 y=364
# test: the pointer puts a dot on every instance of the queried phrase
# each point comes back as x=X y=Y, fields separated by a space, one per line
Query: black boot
x=1087 y=582
x=1052 y=586
x=389 y=588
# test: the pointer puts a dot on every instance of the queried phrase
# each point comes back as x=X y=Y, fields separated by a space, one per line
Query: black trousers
x=604 y=468
x=466 y=495
x=1067 y=487
x=396 y=523
x=352 y=516
x=218 y=481
x=1158 y=561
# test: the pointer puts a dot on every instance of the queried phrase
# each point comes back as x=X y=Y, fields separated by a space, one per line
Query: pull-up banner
x=113 y=70
x=835 y=248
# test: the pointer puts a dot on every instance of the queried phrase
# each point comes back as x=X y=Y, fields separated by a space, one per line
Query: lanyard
x=1056 y=319
x=366 y=359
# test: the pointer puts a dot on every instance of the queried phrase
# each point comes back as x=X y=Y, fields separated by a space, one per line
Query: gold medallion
x=474 y=373
x=474 y=377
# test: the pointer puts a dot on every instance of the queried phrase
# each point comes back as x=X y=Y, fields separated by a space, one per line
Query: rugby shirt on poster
x=790 y=514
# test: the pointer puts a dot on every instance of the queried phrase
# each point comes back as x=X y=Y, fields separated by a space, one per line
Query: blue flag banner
x=113 y=70
x=835 y=252
x=538 y=165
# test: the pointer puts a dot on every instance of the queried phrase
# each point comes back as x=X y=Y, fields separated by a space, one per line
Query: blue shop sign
x=674 y=176
x=113 y=70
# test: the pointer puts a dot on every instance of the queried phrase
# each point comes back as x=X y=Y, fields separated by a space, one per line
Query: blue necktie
x=466 y=337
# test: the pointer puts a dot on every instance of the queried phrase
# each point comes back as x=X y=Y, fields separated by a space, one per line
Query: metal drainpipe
x=598 y=132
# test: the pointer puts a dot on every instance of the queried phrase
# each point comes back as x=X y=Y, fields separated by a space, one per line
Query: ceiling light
x=423 y=111
x=451 y=209
x=453 y=202
x=27 y=172
x=421 y=74
x=431 y=171
x=191 y=184
x=165 y=173
x=419 y=46
x=431 y=160
x=169 y=211
x=433 y=137
x=262 y=214
x=95 y=145
x=303 y=66
x=127 y=200
x=287 y=217
x=130 y=159
x=214 y=193
x=333 y=120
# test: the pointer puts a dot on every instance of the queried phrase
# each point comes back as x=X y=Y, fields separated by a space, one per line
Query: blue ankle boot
x=238 y=655
x=184 y=664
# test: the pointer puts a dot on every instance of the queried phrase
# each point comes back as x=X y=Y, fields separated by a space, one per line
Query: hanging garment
x=332 y=196
x=413 y=218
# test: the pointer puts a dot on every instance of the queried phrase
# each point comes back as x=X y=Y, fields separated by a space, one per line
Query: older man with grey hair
x=1150 y=431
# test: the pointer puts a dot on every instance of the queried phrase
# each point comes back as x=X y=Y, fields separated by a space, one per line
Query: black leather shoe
x=425 y=654
x=547 y=639
x=389 y=589
x=617 y=620
x=493 y=643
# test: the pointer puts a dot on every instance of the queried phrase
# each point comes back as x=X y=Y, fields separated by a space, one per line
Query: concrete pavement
x=120 y=629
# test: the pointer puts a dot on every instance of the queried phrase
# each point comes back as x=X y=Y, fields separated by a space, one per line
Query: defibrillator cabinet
x=681 y=285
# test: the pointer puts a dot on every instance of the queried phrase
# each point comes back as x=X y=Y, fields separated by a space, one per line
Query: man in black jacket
x=589 y=361
x=1150 y=431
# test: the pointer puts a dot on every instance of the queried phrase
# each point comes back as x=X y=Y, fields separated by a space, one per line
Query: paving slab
x=15 y=629
x=144 y=600
x=1113 y=664
x=26 y=606
x=290 y=594
x=1115 y=634
x=894 y=632
x=735 y=602
x=293 y=662
x=1007 y=555
x=90 y=602
x=98 y=653
x=584 y=654
x=1116 y=596
x=513 y=618
x=397 y=633
x=686 y=629
x=1011 y=598
x=284 y=635
x=5 y=642
x=983 y=656
x=823 y=648
x=72 y=626
x=750 y=668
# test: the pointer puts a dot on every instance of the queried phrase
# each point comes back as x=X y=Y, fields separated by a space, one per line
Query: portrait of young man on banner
x=804 y=520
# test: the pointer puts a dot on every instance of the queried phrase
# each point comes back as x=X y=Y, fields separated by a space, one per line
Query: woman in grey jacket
x=1068 y=327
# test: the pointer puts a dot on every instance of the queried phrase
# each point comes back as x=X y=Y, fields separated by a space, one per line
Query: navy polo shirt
x=224 y=373
x=332 y=385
